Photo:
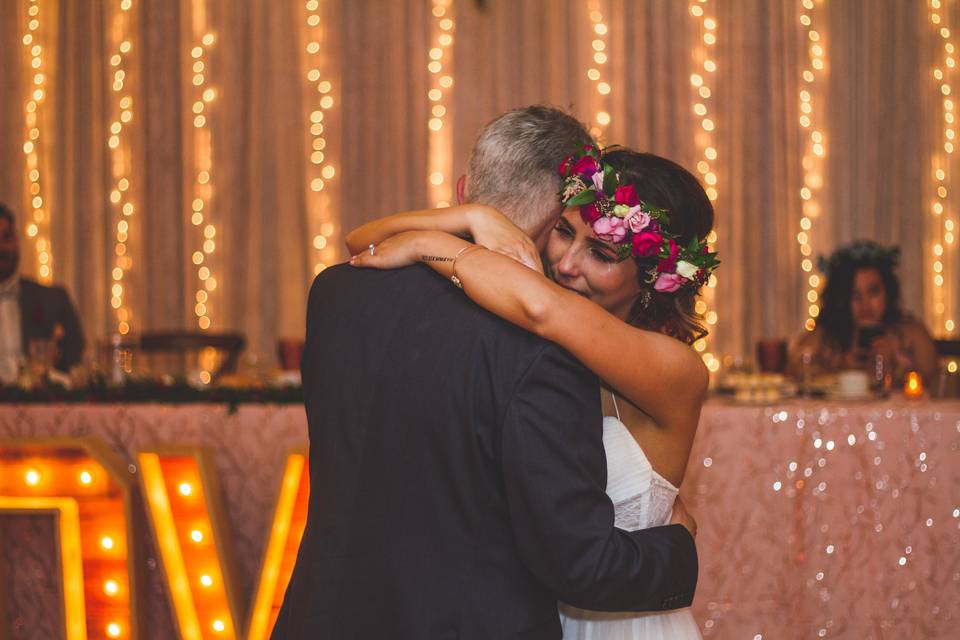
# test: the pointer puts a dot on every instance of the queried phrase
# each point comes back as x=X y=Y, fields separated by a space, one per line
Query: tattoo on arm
x=436 y=259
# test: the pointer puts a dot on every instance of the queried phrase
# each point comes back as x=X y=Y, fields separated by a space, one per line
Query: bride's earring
x=645 y=298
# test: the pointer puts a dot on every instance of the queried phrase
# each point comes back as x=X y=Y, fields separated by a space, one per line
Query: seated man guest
x=30 y=311
x=860 y=318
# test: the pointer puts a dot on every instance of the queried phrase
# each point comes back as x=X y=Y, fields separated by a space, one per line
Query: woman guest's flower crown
x=861 y=251
x=636 y=228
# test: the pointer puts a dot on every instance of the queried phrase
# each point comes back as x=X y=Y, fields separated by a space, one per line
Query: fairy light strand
x=943 y=214
x=700 y=82
x=440 y=143
x=601 y=119
x=120 y=153
x=321 y=171
x=38 y=227
x=203 y=96
x=814 y=152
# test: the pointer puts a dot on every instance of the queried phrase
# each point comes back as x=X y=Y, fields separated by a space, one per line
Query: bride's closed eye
x=563 y=230
x=601 y=256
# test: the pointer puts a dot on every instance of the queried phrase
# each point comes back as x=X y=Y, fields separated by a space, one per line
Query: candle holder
x=913 y=386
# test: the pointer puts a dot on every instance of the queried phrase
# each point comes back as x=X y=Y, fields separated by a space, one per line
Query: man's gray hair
x=513 y=166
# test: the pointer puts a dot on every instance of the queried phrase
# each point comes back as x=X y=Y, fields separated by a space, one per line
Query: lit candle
x=913 y=387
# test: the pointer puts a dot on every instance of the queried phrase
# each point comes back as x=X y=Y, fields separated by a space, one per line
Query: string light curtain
x=813 y=152
x=943 y=249
x=201 y=177
x=440 y=66
x=701 y=83
x=601 y=114
x=35 y=145
x=877 y=175
x=319 y=101
x=120 y=15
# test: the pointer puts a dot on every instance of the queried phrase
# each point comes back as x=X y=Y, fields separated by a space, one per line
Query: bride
x=625 y=262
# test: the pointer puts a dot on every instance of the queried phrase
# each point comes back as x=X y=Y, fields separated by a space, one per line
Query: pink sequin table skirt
x=816 y=519
x=828 y=520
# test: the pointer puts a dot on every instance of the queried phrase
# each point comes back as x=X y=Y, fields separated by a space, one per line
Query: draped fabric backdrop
x=877 y=103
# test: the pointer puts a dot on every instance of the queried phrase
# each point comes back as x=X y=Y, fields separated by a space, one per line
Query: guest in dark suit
x=30 y=310
x=457 y=468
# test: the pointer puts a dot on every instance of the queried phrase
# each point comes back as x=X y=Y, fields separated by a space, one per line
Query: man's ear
x=461 y=188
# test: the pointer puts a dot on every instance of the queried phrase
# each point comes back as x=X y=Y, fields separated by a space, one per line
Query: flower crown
x=857 y=252
x=617 y=215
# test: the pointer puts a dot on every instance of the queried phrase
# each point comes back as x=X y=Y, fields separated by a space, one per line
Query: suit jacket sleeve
x=555 y=474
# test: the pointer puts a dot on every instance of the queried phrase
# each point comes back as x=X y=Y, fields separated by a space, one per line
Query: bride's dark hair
x=666 y=185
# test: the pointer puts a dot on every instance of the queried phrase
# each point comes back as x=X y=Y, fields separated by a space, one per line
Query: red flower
x=647 y=243
x=586 y=166
x=590 y=212
x=565 y=166
x=627 y=195
x=669 y=264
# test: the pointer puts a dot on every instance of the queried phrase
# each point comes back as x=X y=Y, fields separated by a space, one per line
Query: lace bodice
x=642 y=498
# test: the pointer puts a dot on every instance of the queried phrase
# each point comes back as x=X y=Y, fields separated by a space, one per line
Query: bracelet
x=453 y=278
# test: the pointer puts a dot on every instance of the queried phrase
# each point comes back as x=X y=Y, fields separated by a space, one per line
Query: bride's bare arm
x=455 y=220
x=486 y=225
x=662 y=376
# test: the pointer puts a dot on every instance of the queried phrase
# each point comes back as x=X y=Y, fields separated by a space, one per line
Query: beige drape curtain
x=878 y=105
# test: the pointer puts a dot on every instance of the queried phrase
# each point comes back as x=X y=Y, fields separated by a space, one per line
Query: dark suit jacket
x=43 y=308
x=457 y=476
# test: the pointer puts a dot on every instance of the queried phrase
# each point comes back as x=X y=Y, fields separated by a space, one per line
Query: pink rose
x=586 y=166
x=598 y=181
x=637 y=219
x=669 y=282
x=589 y=212
x=669 y=264
x=647 y=243
x=627 y=195
x=610 y=229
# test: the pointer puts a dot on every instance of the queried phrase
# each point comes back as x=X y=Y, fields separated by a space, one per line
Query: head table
x=816 y=518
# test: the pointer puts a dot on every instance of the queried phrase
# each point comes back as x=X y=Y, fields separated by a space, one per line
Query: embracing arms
x=485 y=225
x=662 y=376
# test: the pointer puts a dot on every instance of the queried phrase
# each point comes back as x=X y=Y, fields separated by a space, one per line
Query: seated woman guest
x=860 y=318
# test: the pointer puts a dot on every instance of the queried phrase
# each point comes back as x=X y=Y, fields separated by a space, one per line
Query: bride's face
x=589 y=266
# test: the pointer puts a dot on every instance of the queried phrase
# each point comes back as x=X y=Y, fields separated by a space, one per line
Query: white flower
x=598 y=181
x=687 y=270
x=621 y=210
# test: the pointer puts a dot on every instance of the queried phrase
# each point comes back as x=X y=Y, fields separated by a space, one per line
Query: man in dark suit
x=29 y=310
x=457 y=469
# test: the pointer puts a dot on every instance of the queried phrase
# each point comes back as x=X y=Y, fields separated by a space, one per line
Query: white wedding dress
x=642 y=498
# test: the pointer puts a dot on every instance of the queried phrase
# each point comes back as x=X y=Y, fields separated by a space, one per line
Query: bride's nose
x=569 y=265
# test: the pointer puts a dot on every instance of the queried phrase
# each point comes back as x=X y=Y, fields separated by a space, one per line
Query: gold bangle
x=453 y=278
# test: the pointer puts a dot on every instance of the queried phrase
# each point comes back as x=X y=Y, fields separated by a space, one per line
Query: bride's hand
x=493 y=230
x=395 y=252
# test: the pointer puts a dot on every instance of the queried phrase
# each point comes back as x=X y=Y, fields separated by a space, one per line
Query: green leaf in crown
x=584 y=197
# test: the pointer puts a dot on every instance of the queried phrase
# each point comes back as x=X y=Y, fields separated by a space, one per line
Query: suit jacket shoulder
x=422 y=305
